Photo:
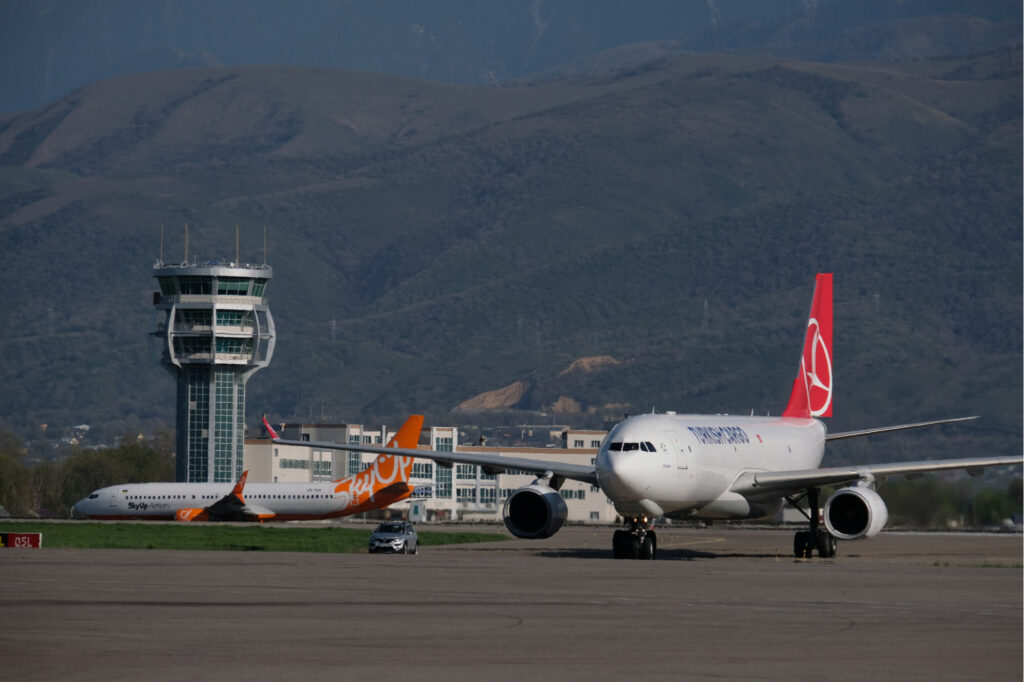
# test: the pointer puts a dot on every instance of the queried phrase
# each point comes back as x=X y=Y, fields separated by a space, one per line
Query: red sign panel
x=21 y=539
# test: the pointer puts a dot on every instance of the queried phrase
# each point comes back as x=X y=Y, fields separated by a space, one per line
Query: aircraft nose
x=82 y=508
x=622 y=476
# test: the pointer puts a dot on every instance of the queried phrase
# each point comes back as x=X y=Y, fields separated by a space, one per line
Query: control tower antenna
x=186 y=242
x=161 y=260
x=264 y=244
x=236 y=244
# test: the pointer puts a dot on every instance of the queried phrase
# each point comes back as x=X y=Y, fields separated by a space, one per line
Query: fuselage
x=684 y=465
x=288 y=501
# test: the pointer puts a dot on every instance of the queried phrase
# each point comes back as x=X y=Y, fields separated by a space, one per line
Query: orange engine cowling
x=189 y=514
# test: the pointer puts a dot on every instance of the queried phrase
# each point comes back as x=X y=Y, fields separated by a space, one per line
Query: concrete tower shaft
x=215 y=332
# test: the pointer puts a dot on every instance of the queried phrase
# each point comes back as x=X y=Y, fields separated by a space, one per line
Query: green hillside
x=431 y=242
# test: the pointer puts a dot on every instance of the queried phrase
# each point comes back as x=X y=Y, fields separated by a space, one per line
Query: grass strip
x=262 y=538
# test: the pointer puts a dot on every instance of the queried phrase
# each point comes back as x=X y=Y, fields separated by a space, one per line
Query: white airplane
x=718 y=467
x=383 y=483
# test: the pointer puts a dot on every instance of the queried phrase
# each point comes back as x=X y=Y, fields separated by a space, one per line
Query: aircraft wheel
x=802 y=544
x=827 y=545
x=634 y=547
x=648 y=547
x=620 y=544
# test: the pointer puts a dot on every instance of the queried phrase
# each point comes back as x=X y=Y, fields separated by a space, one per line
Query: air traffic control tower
x=216 y=333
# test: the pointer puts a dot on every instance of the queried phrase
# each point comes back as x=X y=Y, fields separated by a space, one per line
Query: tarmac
x=717 y=603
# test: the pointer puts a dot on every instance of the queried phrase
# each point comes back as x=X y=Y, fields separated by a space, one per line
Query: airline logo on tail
x=385 y=481
x=812 y=388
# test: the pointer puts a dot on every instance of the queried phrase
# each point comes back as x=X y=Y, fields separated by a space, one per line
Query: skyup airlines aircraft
x=383 y=483
x=718 y=467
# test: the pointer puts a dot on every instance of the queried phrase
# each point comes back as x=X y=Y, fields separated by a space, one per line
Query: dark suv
x=395 y=536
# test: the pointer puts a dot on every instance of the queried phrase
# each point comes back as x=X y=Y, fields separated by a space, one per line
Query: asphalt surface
x=716 y=604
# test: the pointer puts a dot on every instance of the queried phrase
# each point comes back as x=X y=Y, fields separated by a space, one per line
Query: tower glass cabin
x=216 y=331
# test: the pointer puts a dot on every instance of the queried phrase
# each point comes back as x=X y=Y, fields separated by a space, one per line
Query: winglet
x=812 y=389
x=237 y=490
x=270 y=429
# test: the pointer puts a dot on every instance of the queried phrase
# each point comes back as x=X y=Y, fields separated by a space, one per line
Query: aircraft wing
x=781 y=482
x=231 y=507
x=491 y=464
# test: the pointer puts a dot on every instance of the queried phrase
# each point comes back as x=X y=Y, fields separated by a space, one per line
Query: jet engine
x=535 y=511
x=852 y=513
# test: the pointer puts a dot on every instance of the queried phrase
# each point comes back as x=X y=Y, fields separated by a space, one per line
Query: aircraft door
x=677 y=447
x=112 y=500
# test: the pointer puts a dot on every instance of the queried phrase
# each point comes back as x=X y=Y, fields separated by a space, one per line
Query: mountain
x=51 y=47
x=432 y=242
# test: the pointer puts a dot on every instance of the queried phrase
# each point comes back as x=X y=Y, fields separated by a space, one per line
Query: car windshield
x=390 y=528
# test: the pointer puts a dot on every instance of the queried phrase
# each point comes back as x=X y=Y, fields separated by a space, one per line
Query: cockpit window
x=631 y=446
x=649 y=446
x=615 y=447
x=94 y=496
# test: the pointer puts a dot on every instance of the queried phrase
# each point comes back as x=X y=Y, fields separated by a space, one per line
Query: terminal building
x=463 y=492
x=215 y=330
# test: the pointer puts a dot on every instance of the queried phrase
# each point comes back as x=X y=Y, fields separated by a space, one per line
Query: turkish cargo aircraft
x=385 y=482
x=719 y=467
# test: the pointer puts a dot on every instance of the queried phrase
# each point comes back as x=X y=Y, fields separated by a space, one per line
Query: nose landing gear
x=638 y=542
x=806 y=542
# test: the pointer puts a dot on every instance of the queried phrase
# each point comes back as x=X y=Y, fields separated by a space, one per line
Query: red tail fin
x=812 y=388
x=270 y=430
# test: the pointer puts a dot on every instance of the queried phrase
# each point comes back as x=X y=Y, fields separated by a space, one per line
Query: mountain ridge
x=670 y=215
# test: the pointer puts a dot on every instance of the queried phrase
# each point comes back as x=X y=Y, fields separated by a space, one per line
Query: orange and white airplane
x=719 y=466
x=385 y=482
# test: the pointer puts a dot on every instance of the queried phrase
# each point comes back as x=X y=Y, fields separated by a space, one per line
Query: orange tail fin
x=361 y=491
x=812 y=388
x=409 y=435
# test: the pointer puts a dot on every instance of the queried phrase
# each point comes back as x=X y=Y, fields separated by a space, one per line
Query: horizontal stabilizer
x=897 y=427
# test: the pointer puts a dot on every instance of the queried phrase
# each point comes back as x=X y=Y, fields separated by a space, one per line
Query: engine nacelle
x=852 y=513
x=535 y=511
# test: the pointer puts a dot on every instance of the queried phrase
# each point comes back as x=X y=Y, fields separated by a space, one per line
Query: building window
x=195 y=286
x=232 y=286
x=466 y=472
x=443 y=489
x=465 y=495
x=577 y=443
x=422 y=470
x=595 y=516
x=444 y=445
x=595 y=443
x=488 y=495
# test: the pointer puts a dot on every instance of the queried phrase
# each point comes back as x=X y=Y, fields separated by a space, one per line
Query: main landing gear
x=806 y=542
x=639 y=542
